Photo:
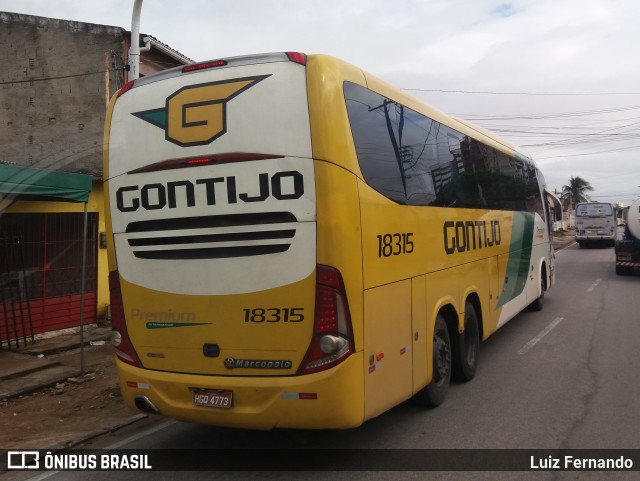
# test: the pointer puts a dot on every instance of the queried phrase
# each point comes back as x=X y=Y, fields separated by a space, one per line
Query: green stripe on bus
x=519 y=257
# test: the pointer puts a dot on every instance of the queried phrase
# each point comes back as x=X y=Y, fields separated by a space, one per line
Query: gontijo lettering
x=288 y=185
x=468 y=235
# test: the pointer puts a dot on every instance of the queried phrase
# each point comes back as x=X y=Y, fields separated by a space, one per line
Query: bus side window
x=414 y=160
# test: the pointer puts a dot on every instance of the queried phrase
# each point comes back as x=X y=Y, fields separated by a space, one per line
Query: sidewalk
x=37 y=366
x=562 y=241
x=48 y=402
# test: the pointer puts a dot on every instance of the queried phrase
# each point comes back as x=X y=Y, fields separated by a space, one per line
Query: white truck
x=627 y=247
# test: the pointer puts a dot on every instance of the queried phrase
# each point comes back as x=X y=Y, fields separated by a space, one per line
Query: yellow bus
x=294 y=243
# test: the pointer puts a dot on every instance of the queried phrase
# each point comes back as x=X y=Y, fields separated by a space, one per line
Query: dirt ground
x=64 y=414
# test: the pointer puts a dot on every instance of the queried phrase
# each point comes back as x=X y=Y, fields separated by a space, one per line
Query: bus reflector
x=125 y=88
x=138 y=385
x=332 y=340
x=204 y=65
x=119 y=335
x=299 y=395
x=297 y=57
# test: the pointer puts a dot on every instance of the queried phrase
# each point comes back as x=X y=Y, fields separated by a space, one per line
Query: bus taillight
x=297 y=57
x=332 y=340
x=119 y=335
x=194 y=67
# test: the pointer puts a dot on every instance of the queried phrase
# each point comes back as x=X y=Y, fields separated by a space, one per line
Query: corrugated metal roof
x=164 y=48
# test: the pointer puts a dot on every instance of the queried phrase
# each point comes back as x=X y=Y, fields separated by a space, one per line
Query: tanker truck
x=627 y=247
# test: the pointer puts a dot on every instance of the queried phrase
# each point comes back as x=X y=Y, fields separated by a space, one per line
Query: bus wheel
x=468 y=346
x=436 y=391
x=538 y=304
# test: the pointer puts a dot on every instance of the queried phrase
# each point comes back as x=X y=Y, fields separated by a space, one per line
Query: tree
x=575 y=192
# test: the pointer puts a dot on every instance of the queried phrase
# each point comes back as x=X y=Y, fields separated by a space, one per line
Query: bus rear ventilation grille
x=212 y=237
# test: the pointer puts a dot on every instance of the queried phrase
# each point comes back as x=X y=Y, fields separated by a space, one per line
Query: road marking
x=539 y=337
x=594 y=285
x=141 y=434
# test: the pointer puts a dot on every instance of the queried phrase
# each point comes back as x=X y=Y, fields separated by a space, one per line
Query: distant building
x=56 y=80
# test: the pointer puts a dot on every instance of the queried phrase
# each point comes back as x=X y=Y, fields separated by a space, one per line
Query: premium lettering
x=287 y=185
x=162 y=316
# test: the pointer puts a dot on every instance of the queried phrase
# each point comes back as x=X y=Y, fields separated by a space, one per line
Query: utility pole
x=134 y=49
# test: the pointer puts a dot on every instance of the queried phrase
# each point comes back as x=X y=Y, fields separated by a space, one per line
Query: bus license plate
x=213 y=398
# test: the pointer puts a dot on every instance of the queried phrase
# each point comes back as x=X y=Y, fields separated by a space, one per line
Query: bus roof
x=372 y=82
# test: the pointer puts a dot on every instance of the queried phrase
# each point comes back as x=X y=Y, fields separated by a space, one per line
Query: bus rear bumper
x=331 y=399
x=606 y=240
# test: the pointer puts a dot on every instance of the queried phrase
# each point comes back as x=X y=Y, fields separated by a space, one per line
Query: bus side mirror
x=557 y=210
x=555 y=205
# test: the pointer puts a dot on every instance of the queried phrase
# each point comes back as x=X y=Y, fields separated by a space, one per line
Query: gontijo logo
x=197 y=114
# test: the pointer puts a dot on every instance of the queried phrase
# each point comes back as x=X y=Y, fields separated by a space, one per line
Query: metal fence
x=41 y=274
x=14 y=294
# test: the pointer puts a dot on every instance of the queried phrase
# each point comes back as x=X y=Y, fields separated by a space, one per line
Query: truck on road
x=627 y=247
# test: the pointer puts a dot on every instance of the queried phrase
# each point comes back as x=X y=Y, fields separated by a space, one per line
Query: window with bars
x=41 y=272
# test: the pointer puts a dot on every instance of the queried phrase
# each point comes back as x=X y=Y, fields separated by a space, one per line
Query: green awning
x=27 y=183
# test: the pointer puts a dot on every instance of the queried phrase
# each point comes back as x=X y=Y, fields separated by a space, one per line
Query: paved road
x=565 y=377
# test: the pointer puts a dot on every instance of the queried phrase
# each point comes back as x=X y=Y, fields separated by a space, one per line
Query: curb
x=94 y=434
x=24 y=385
x=30 y=369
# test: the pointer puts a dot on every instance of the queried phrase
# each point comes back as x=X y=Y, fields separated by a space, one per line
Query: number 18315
x=395 y=244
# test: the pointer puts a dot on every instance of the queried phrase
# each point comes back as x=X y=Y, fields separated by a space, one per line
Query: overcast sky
x=559 y=78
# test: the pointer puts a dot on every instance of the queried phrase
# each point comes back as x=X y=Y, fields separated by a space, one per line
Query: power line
x=633 y=147
x=42 y=79
x=583 y=136
x=548 y=116
x=481 y=92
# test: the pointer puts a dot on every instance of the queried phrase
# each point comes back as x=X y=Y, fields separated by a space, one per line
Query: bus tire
x=538 y=304
x=435 y=392
x=468 y=346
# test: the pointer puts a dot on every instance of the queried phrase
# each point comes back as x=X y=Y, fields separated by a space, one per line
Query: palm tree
x=575 y=192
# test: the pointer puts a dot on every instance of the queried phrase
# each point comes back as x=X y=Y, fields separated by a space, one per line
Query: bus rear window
x=594 y=210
